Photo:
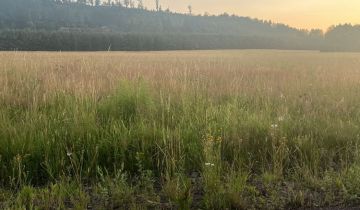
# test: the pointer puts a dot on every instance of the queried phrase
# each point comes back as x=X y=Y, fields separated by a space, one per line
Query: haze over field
x=305 y=14
x=215 y=104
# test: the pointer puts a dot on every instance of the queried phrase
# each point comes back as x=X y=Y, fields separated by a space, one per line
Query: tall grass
x=235 y=118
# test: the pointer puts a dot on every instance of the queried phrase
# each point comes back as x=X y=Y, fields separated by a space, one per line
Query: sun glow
x=305 y=14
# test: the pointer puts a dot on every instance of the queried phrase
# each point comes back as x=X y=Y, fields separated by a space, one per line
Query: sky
x=305 y=14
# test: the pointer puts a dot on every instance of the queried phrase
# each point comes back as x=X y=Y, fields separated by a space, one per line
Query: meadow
x=251 y=129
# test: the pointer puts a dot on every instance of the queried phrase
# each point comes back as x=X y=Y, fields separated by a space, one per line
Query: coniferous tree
x=157 y=5
x=140 y=4
x=127 y=3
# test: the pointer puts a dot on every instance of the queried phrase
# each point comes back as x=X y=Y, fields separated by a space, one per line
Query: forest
x=83 y=25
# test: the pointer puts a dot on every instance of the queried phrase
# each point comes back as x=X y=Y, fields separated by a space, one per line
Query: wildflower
x=18 y=157
x=281 y=118
x=209 y=164
x=69 y=154
x=274 y=126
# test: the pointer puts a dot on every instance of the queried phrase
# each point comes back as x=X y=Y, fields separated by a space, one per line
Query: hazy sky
x=298 y=13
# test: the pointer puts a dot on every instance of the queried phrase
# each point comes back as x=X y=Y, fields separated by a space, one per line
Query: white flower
x=274 y=126
x=69 y=154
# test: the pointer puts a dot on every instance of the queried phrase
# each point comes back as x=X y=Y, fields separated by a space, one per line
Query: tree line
x=128 y=25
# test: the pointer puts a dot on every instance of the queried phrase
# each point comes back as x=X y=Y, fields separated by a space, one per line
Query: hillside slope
x=55 y=25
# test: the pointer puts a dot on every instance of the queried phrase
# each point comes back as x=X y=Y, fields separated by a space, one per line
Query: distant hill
x=87 y=25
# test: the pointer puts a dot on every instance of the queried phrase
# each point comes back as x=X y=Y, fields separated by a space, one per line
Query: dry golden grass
x=268 y=73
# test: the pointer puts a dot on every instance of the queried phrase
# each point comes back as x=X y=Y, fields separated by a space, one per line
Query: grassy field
x=179 y=130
